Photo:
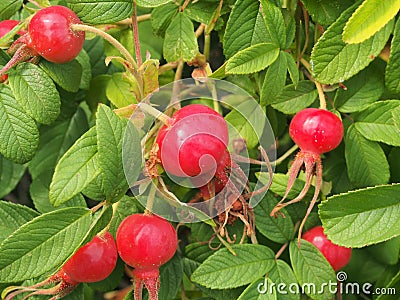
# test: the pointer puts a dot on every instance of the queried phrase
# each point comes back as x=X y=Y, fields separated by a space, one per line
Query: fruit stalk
x=108 y=38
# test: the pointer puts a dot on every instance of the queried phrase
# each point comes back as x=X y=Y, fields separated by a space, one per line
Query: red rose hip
x=51 y=36
x=337 y=256
x=316 y=130
x=145 y=242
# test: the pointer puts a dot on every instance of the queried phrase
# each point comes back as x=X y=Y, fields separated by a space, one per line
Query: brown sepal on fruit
x=312 y=165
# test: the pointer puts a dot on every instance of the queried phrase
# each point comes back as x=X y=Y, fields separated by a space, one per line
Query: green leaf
x=76 y=169
x=35 y=247
x=326 y=12
x=391 y=288
x=125 y=207
x=95 y=190
x=245 y=27
x=368 y=19
x=110 y=134
x=132 y=154
x=274 y=23
x=292 y=68
x=39 y=191
x=335 y=170
x=386 y=252
x=99 y=221
x=150 y=76
x=13 y=216
x=151 y=3
x=376 y=122
x=161 y=17
x=312 y=270
x=67 y=75
x=392 y=78
x=252 y=59
x=35 y=92
x=180 y=39
x=9 y=8
x=366 y=161
x=362 y=90
x=119 y=92
x=18 y=131
x=97 y=91
x=171 y=278
x=279 y=230
x=10 y=175
x=293 y=99
x=222 y=270
x=261 y=289
x=55 y=140
x=246 y=122
x=202 y=11
x=101 y=11
x=282 y=273
x=334 y=61
x=357 y=219
x=275 y=79
x=84 y=60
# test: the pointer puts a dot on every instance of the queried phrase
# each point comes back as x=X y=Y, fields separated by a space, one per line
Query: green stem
x=154 y=112
x=285 y=155
x=321 y=95
x=207 y=45
x=108 y=38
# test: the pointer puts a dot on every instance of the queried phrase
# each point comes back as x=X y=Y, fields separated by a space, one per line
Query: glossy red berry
x=316 y=130
x=337 y=256
x=8 y=25
x=146 y=242
x=94 y=261
x=51 y=36
x=194 y=141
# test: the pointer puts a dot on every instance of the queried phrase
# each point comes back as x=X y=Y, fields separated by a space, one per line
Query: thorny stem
x=322 y=99
x=136 y=35
x=108 y=38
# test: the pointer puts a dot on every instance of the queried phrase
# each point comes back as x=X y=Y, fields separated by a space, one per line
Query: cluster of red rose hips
x=192 y=144
x=143 y=241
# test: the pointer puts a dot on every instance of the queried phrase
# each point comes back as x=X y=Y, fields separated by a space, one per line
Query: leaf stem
x=136 y=35
x=108 y=38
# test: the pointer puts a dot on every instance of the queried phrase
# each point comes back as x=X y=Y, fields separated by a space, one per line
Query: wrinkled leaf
x=357 y=219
